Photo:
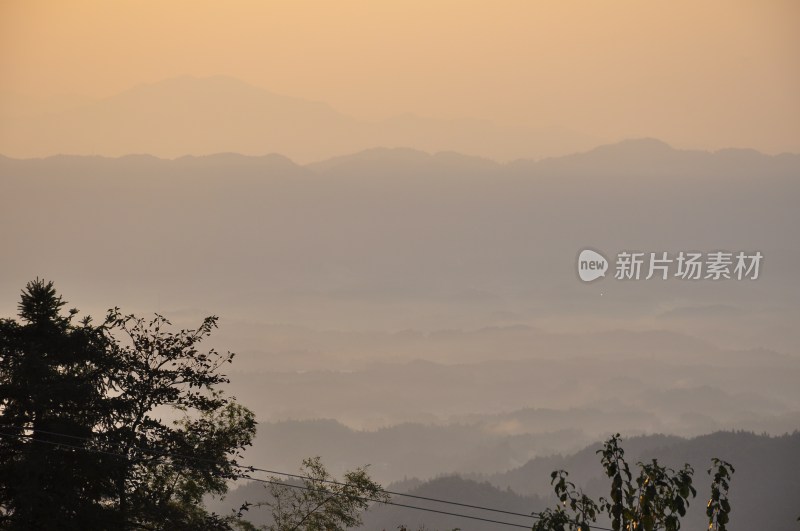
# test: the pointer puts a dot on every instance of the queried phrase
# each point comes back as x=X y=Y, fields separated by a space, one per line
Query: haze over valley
x=432 y=299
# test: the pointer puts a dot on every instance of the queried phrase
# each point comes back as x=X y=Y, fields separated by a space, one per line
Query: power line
x=533 y=515
x=500 y=522
x=299 y=476
x=448 y=502
x=303 y=487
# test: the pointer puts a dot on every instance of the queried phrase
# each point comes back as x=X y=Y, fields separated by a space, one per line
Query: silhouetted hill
x=453 y=488
x=764 y=487
x=651 y=158
x=763 y=491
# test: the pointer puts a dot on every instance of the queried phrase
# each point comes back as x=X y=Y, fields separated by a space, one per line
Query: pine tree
x=52 y=397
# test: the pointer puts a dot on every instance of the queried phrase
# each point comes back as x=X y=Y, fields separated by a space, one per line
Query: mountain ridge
x=641 y=147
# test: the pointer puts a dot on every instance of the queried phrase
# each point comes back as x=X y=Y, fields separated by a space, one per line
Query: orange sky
x=704 y=74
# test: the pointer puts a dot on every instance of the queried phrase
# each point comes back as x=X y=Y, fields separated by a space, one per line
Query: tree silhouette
x=320 y=504
x=82 y=440
x=51 y=394
x=655 y=499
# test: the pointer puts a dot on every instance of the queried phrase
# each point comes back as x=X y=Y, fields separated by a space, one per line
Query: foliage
x=82 y=440
x=655 y=499
x=157 y=371
x=319 y=503
x=583 y=507
x=718 y=507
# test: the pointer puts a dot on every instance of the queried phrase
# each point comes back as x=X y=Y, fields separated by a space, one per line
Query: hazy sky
x=704 y=74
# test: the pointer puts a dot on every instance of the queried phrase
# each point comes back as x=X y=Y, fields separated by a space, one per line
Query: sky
x=702 y=74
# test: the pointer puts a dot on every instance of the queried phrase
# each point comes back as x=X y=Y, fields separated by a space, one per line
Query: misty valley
x=422 y=314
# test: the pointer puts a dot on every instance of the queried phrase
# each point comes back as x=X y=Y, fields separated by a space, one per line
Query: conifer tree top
x=39 y=302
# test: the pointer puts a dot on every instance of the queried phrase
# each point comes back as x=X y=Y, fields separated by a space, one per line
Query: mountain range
x=763 y=486
x=201 y=116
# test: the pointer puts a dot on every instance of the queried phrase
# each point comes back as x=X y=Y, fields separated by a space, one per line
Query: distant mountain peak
x=645 y=145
